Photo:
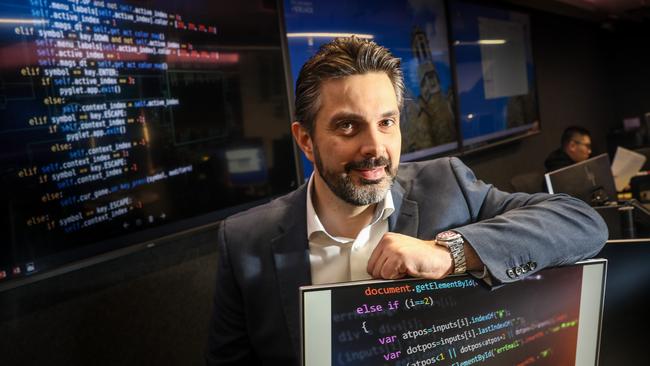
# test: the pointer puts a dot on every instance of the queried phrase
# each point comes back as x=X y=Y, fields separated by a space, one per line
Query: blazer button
x=532 y=265
x=525 y=268
x=518 y=271
x=510 y=273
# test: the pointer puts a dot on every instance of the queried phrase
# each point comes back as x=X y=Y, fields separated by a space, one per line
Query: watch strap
x=456 y=244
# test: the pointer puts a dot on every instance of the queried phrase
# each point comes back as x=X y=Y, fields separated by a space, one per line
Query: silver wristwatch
x=456 y=244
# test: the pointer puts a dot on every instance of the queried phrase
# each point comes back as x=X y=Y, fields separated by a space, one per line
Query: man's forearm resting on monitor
x=398 y=255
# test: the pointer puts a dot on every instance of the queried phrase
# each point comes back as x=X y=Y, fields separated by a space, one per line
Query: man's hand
x=399 y=255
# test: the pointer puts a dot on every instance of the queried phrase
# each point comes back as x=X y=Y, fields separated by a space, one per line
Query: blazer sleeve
x=228 y=342
x=517 y=234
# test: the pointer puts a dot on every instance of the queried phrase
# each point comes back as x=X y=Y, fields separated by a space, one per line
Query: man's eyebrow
x=390 y=113
x=346 y=116
x=357 y=117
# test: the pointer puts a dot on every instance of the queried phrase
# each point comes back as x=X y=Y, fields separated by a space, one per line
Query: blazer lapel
x=291 y=260
x=405 y=220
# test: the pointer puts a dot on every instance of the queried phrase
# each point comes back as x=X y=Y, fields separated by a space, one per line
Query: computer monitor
x=590 y=180
x=128 y=121
x=549 y=318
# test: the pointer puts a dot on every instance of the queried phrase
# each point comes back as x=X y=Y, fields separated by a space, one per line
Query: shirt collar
x=383 y=210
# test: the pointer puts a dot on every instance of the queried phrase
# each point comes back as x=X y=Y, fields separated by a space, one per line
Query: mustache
x=369 y=163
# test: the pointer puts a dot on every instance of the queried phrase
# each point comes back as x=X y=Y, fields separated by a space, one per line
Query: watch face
x=447 y=235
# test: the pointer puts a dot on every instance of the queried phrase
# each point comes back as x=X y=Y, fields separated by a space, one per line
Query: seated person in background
x=576 y=147
x=364 y=215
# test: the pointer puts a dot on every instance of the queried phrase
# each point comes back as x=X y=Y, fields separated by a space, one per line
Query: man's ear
x=303 y=139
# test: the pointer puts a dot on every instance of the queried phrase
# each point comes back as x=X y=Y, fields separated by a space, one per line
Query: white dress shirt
x=338 y=259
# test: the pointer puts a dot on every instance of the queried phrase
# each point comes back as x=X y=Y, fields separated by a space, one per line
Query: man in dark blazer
x=425 y=219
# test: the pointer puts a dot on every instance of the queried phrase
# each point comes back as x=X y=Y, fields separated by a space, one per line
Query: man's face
x=356 y=139
x=579 y=148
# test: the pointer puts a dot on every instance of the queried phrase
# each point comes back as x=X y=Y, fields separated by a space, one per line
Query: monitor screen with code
x=549 y=318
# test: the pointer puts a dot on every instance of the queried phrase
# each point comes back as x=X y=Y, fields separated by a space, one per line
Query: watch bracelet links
x=457 y=250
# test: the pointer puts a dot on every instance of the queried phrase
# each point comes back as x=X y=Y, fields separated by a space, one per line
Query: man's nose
x=373 y=143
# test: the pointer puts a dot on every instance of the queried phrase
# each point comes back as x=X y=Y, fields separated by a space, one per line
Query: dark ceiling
x=638 y=10
x=596 y=10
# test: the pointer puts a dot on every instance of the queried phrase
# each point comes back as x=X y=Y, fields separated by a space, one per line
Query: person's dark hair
x=342 y=57
x=571 y=132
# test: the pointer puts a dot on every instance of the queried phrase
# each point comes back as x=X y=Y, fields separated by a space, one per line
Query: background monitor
x=590 y=180
x=126 y=121
x=549 y=318
x=414 y=31
x=495 y=75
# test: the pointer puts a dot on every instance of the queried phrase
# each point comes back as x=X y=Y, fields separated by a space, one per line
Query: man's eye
x=387 y=122
x=346 y=126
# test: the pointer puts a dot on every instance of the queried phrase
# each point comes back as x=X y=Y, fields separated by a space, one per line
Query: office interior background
x=150 y=303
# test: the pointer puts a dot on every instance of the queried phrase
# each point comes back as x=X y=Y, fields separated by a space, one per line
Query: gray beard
x=368 y=193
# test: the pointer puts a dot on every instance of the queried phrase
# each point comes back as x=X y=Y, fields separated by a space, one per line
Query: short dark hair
x=342 y=57
x=571 y=132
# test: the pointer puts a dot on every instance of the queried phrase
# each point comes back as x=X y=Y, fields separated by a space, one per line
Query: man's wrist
x=456 y=245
